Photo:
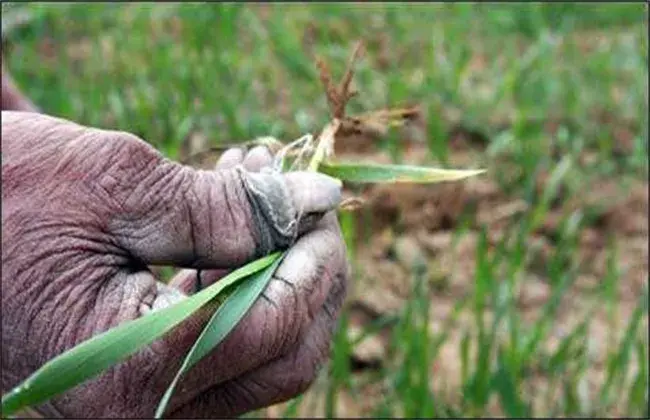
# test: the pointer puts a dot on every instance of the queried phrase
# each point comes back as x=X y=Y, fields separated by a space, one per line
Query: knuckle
x=282 y=310
x=335 y=299
x=304 y=378
x=310 y=358
x=121 y=153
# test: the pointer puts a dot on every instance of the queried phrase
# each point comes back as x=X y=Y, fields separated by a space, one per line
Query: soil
x=400 y=223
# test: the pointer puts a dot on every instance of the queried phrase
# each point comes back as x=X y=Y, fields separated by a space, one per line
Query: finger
x=274 y=382
x=258 y=158
x=190 y=281
x=163 y=213
x=230 y=158
x=314 y=271
x=313 y=193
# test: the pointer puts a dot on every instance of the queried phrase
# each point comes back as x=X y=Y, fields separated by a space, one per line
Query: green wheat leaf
x=224 y=319
x=374 y=173
x=99 y=353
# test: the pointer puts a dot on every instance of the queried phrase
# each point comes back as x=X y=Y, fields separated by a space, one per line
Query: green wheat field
x=521 y=292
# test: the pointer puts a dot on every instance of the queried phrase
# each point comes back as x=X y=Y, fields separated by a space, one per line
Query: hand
x=86 y=210
x=12 y=97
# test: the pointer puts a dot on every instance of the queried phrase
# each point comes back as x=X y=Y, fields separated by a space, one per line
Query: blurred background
x=522 y=292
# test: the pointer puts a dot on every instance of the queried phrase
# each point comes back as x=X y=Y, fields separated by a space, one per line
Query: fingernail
x=257 y=158
x=230 y=158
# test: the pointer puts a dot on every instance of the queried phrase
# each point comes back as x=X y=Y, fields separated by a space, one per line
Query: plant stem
x=325 y=146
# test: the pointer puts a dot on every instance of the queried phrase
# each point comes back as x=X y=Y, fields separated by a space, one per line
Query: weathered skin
x=85 y=211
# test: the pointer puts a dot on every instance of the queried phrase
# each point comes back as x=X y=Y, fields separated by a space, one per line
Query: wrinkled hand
x=84 y=211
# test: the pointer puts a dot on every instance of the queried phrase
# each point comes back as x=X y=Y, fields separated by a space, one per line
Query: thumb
x=219 y=219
